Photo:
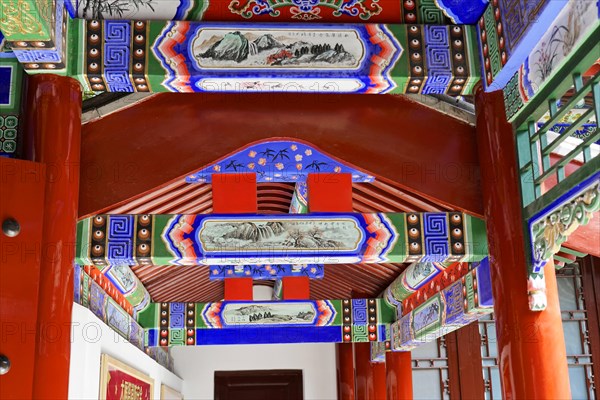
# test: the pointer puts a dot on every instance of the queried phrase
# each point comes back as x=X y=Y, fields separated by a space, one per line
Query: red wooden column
x=52 y=128
x=370 y=377
x=333 y=193
x=531 y=346
x=398 y=365
x=235 y=193
x=345 y=370
x=22 y=198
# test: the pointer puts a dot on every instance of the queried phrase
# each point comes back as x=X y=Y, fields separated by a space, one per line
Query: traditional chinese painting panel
x=153 y=56
x=317 y=238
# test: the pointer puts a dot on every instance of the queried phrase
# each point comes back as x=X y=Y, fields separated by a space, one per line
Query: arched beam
x=169 y=136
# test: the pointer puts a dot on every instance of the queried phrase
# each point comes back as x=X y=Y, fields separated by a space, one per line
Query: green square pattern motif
x=8 y=134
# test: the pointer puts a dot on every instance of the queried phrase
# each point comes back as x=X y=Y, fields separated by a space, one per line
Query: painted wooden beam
x=295 y=321
x=517 y=43
x=378 y=350
x=409 y=281
x=106 y=284
x=245 y=239
x=235 y=193
x=27 y=22
x=299 y=203
x=47 y=56
x=398 y=366
x=159 y=56
x=456 y=306
x=330 y=11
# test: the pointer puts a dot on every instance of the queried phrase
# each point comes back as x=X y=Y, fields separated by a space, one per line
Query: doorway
x=282 y=384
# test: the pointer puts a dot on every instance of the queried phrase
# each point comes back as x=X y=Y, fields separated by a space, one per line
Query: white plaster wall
x=91 y=338
x=196 y=365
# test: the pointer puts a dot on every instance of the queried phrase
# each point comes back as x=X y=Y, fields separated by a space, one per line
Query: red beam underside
x=388 y=136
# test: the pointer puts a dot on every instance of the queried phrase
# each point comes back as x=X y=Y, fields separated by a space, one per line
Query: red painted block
x=329 y=192
x=238 y=289
x=52 y=136
x=296 y=288
x=234 y=193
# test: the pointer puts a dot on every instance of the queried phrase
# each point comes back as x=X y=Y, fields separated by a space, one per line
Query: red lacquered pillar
x=333 y=193
x=370 y=377
x=235 y=193
x=531 y=346
x=52 y=128
x=345 y=370
x=398 y=365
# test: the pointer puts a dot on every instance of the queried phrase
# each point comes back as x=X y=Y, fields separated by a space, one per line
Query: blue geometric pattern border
x=266 y=272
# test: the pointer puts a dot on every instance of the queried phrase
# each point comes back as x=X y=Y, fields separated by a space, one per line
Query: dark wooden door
x=259 y=385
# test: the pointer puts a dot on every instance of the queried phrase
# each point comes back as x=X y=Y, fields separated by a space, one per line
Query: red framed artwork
x=120 y=381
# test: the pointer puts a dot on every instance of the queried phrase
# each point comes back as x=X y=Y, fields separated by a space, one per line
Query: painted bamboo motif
x=106 y=240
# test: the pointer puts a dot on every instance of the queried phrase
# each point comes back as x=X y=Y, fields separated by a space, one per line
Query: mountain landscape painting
x=268 y=48
x=269 y=313
x=280 y=235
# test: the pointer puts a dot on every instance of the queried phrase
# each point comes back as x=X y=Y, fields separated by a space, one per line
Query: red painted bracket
x=296 y=288
x=329 y=192
x=234 y=193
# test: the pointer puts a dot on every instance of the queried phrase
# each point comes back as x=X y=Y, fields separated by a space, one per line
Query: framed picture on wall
x=168 y=393
x=120 y=381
